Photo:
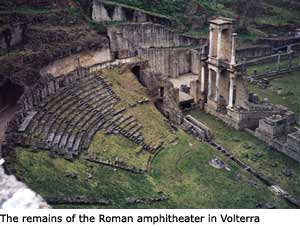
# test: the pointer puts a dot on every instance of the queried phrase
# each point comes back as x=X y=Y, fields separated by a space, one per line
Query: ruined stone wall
x=242 y=94
x=111 y=11
x=170 y=62
x=226 y=45
x=247 y=119
x=224 y=87
x=11 y=35
x=278 y=42
x=170 y=103
x=195 y=62
x=127 y=39
x=253 y=52
x=274 y=136
x=292 y=148
x=70 y=63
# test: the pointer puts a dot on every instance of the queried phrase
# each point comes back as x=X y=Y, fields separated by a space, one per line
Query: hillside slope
x=252 y=17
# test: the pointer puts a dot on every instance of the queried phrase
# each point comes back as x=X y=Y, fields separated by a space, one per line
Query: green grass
x=110 y=147
x=271 y=164
x=181 y=172
x=289 y=83
x=47 y=176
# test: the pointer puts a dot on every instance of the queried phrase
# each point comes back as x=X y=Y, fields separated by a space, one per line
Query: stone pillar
x=209 y=83
x=233 y=47
x=195 y=90
x=290 y=61
x=202 y=79
x=210 y=42
x=231 y=90
x=278 y=62
x=218 y=76
x=219 y=45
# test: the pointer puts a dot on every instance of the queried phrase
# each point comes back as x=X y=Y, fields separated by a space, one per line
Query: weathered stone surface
x=127 y=39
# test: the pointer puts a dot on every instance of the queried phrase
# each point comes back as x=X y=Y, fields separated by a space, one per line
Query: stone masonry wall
x=11 y=35
x=126 y=39
x=253 y=52
x=112 y=11
x=170 y=62
x=70 y=63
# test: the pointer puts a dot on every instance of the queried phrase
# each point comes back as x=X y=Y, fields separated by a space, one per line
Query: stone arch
x=136 y=70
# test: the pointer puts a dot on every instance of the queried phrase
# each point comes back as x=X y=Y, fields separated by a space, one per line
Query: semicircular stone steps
x=67 y=121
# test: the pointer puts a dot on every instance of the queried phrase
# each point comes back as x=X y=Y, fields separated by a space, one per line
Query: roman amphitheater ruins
x=71 y=101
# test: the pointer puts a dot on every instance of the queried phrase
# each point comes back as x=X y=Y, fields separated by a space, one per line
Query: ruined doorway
x=136 y=70
x=9 y=95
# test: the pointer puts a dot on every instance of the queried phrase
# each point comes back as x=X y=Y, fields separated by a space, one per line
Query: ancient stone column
x=278 y=62
x=210 y=42
x=209 y=83
x=202 y=79
x=218 y=76
x=219 y=45
x=231 y=90
x=233 y=47
x=290 y=61
x=195 y=90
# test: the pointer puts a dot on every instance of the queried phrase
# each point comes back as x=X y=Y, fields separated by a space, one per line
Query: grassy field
x=112 y=147
x=255 y=153
x=289 y=97
x=180 y=172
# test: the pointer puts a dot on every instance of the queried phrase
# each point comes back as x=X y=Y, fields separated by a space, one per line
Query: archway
x=136 y=70
x=9 y=95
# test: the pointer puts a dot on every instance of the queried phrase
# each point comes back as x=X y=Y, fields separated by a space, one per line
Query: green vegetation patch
x=283 y=90
x=49 y=177
x=117 y=147
x=270 y=163
x=181 y=172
